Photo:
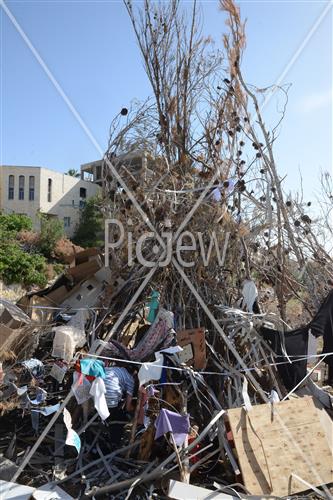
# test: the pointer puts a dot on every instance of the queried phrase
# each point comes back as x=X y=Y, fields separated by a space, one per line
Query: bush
x=17 y=266
x=90 y=228
x=52 y=230
x=11 y=224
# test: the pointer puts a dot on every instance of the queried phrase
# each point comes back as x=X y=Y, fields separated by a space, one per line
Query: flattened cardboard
x=194 y=338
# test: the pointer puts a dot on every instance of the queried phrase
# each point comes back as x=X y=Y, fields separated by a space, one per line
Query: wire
x=187 y=369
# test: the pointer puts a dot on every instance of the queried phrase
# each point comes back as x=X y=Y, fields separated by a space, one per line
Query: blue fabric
x=118 y=382
x=92 y=367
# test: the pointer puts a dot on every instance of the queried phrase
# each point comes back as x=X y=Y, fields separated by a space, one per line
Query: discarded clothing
x=160 y=335
x=322 y=325
x=151 y=371
x=169 y=421
x=250 y=295
x=72 y=438
x=118 y=382
x=98 y=392
x=93 y=367
x=295 y=343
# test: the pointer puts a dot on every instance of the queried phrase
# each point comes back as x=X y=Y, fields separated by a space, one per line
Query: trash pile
x=105 y=396
x=152 y=369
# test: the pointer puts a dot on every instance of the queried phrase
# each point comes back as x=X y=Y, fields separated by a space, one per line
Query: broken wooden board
x=84 y=270
x=194 y=347
x=272 y=443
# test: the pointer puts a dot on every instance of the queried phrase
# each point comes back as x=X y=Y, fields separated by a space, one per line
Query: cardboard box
x=194 y=344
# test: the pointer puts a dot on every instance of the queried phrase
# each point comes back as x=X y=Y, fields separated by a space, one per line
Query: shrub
x=52 y=230
x=17 y=266
x=15 y=222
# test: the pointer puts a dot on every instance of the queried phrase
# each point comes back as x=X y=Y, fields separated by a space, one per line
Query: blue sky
x=91 y=50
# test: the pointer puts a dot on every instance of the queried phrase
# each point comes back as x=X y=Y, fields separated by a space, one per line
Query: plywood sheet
x=273 y=443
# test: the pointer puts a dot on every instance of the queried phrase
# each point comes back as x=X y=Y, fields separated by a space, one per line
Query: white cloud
x=315 y=101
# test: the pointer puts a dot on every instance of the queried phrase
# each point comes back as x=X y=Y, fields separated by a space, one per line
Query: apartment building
x=137 y=162
x=29 y=190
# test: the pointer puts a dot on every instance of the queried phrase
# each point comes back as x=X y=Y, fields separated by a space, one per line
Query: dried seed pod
x=258 y=155
x=305 y=218
x=241 y=143
x=227 y=81
x=288 y=203
x=238 y=128
x=124 y=111
x=262 y=170
x=297 y=223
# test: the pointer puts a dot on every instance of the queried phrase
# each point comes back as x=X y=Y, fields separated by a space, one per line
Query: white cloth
x=98 y=391
x=72 y=438
x=151 y=371
x=273 y=397
x=249 y=293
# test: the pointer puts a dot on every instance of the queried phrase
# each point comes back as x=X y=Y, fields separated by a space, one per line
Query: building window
x=83 y=193
x=31 y=188
x=11 y=187
x=67 y=221
x=49 y=190
x=21 y=187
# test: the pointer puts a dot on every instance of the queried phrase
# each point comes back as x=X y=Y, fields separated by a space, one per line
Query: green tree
x=73 y=172
x=52 y=230
x=90 y=229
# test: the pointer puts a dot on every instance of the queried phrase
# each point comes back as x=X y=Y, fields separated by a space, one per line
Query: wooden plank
x=84 y=271
x=267 y=454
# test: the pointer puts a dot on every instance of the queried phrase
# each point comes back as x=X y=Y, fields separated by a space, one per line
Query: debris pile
x=153 y=370
x=98 y=399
